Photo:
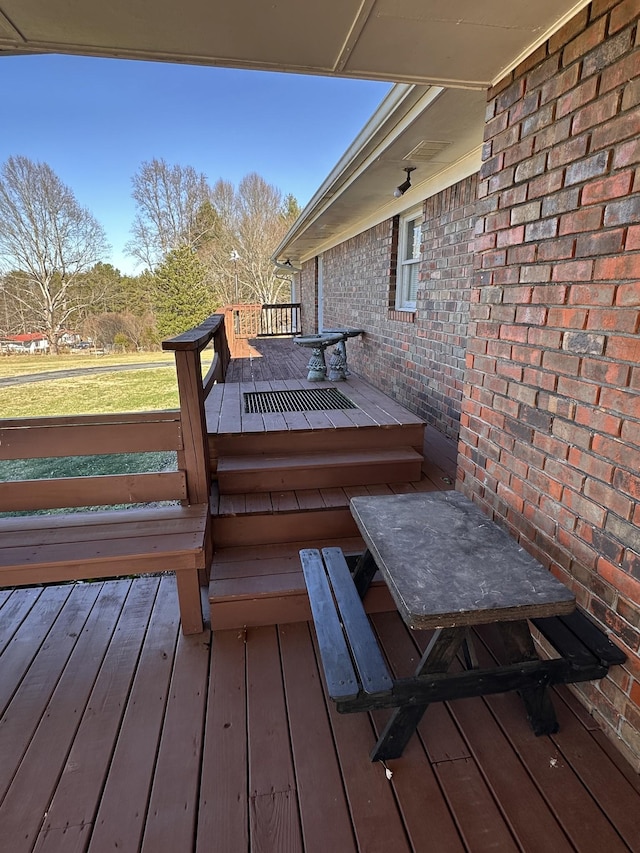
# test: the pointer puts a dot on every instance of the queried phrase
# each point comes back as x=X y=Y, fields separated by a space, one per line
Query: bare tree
x=51 y=240
x=220 y=256
x=13 y=318
x=251 y=223
x=105 y=329
x=261 y=226
x=170 y=201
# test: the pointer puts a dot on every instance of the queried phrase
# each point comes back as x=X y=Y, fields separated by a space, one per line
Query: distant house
x=488 y=245
x=69 y=339
x=29 y=342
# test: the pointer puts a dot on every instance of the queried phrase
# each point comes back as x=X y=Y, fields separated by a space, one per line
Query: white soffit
x=467 y=43
x=443 y=127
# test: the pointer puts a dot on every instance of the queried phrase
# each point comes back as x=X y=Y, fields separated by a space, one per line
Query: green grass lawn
x=93 y=393
x=51 y=468
x=18 y=365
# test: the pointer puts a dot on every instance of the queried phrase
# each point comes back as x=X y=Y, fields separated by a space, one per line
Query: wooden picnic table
x=448 y=567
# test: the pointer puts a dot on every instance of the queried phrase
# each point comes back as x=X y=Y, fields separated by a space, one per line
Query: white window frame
x=408 y=261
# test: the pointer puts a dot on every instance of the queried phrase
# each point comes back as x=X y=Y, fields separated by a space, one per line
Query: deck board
x=14 y=609
x=71 y=813
x=273 y=809
x=28 y=797
x=582 y=818
x=318 y=779
x=120 y=819
x=534 y=826
x=21 y=718
x=223 y=806
x=26 y=627
x=118 y=731
x=172 y=812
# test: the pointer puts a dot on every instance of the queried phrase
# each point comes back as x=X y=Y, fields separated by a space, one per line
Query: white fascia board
x=458 y=171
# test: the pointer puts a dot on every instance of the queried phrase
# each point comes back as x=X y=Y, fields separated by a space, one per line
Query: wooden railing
x=182 y=431
x=93 y=435
x=246 y=321
x=283 y=318
x=106 y=543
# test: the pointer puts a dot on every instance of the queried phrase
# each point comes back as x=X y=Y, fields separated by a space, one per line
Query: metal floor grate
x=307 y=400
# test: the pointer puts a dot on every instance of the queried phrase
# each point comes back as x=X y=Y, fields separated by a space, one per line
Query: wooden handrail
x=197 y=339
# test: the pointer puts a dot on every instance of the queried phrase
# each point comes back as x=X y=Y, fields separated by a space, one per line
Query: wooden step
x=280 y=527
x=318 y=440
x=271 y=472
x=264 y=585
x=271 y=517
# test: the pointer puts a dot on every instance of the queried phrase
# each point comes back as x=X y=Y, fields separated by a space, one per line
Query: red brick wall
x=443 y=301
x=416 y=358
x=550 y=437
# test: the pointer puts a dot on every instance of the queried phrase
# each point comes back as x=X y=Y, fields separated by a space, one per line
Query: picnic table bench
x=448 y=567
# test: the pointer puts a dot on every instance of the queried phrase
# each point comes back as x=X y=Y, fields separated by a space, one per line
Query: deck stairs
x=279 y=491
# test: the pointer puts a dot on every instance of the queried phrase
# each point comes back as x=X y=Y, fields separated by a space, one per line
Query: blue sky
x=95 y=120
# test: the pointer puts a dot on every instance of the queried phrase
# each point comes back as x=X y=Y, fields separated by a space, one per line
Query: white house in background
x=29 y=342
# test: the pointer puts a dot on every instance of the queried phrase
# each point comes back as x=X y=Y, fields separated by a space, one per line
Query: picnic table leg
x=518 y=645
x=438 y=657
x=364 y=572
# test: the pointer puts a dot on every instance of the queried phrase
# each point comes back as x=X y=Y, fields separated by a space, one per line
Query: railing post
x=187 y=348
x=222 y=349
x=193 y=392
x=194 y=436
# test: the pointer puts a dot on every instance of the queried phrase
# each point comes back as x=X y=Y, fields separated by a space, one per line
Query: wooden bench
x=357 y=676
x=67 y=546
x=353 y=664
x=577 y=639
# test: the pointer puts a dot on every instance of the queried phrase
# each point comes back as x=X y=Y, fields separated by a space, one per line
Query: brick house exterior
x=525 y=342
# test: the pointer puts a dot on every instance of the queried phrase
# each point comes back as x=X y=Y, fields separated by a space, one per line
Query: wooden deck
x=282 y=367
x=119 y=733
x=269 y=358
x=284 y=480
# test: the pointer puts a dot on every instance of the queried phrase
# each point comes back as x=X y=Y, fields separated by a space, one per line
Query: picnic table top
x=447 y=564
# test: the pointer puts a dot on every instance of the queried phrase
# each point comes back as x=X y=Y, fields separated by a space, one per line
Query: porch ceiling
x=443 y=42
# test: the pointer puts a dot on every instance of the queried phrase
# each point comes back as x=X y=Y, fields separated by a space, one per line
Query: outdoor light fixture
x=287 y=266
x=404 y=186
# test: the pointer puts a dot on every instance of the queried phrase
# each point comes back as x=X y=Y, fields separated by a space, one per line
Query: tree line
x=202 y=247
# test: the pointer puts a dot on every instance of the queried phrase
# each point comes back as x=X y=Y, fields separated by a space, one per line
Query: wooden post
x=195 y=453
x=194 y=437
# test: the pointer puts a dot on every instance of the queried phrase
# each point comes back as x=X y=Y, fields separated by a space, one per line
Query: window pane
x=410 y=237
x=410 y=281
x=412 y=240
